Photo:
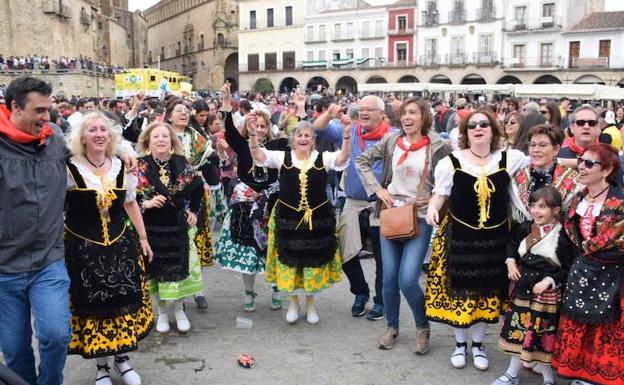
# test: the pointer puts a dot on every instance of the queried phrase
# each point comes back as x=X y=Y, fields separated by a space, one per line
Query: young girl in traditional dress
x=539 y=255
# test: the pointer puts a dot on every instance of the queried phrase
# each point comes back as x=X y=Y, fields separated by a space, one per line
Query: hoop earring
x=171 y=151
x=148 y=152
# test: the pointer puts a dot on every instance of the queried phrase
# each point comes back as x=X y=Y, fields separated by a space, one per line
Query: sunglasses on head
x=589 y=163
x=481 y=123
x=590 y=123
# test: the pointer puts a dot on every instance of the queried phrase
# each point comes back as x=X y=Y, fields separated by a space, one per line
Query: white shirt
x=406 y=177
x=93 y=181
x=74 y=119
x=444 y=170
x=275 y=159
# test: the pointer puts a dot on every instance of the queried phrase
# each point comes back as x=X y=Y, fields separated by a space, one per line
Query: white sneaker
x=479 y=358
x=458 y=358
x=162 y=324
x=292 y=315
x=128 y=375
x=311 y=315
x=182 y=322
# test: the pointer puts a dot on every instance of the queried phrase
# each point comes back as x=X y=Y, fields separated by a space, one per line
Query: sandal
x=250 y=301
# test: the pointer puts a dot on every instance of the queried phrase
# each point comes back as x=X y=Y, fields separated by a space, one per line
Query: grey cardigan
x=384 y=149
x=33 y=182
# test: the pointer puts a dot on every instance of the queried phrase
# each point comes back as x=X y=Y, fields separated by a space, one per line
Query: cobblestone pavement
x=339 y=350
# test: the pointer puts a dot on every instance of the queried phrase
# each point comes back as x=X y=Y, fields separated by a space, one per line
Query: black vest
x=82 y=208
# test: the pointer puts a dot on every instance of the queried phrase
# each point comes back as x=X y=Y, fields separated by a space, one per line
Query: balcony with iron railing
x=311 y=39
x=430 y=18
x=533 y=24
x=457 y=16
x=589 y=62
x=342 y=37
x=532 y=63
x=401 y=31
x=484 y=58
x=486 y=14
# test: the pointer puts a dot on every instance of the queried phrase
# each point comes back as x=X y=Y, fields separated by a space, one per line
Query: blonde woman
x=170 y=193
x=111 y=309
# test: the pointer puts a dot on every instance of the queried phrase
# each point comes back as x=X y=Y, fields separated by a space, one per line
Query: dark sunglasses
x=544 y=112
x=482 y=124
x=590 y=123
x=589 y=163
x=511 y=122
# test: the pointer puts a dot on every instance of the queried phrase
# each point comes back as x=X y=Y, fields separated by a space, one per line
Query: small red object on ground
x=246 y=361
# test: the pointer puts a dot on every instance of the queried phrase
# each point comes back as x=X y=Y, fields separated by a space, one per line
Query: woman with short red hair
x=591 y=329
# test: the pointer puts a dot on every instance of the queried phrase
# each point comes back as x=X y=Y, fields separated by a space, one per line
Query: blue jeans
x=402 y=262
x=45 y=292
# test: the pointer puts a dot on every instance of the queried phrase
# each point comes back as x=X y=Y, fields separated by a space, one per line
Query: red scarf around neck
x=375 y=134
x=413 y=147
x=16 y=135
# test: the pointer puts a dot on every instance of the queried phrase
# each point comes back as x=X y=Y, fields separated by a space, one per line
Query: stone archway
x=263 y=85
x=589 y=79
x=231 y=69
x=408 y=79
x=347 y=84
x=509 y=79
x=314 y=82
x=547 y=79
x=440 y=79
x=376 y=79
x=473 y=79
x=288 y=84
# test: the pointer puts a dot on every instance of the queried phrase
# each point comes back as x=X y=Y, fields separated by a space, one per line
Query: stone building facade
x=197 y=38
x=103 y=30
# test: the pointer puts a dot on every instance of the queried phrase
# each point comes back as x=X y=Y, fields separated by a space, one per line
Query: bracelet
x=142 y=237
x=346 y=137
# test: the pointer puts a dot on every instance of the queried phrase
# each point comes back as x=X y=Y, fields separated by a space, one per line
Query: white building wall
x=590 y=43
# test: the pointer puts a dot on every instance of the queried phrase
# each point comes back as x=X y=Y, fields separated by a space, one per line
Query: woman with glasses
x=544 y=143
x=552 y=114
x=197 y=148
x=588 y=346
x=511 y=127
x=467 y=281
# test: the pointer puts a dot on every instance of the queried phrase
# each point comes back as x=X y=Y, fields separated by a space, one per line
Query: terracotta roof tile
x=600 y=21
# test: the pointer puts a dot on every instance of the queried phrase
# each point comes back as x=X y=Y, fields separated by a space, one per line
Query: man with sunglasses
x=585 y=131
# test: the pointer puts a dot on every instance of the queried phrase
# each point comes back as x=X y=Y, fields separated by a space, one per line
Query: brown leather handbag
x=401 y=223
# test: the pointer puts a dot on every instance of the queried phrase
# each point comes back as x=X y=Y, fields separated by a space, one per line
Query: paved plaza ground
x=339 y=350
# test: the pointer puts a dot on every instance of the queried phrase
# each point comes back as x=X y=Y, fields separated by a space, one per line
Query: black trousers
x=355 y=274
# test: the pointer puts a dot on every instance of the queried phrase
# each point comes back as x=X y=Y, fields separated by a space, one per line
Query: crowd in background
x=43 y=63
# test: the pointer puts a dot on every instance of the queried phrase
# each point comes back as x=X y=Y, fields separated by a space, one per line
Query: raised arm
x=254 y=146
x=332 y=112
x=345 y=150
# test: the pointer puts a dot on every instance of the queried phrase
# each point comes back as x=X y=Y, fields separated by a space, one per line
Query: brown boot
x=386 y=341
x=421 y=341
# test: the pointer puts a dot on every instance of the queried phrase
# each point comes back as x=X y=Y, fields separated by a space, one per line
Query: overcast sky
x=144 y=4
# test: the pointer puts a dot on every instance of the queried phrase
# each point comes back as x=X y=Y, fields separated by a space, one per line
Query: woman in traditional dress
x=302 y=247
x=467 y=281
x=243 y=241
x=544 y=142
x=197 y=148
x=589 y=345
x=409 y=157
x=170 y=193
x=110 y=303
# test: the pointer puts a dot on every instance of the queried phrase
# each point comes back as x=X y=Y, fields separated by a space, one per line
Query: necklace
x=162 y=171
x=479 y=156
x=592 y=198
x=97 y=171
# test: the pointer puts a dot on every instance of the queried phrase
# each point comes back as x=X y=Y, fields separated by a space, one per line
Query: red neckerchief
x=413 y=147
x=375 y=134
x=578 y=150
x=16 y=135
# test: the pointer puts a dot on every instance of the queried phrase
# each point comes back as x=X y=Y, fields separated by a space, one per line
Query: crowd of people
x=517 y=211
x=44 y=63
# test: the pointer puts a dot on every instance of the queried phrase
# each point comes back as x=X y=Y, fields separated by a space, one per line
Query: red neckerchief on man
x=16 y=135
x=376 y=134
x=412 y=147
x=578 y=150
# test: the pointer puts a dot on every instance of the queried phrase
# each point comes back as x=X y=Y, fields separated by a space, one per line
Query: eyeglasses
x=368 y=109
x=589 y=163
x=544 y=112
x=541 y=145
x=590 y=123
x=511 y=122
x=181 y=110
x=481 y=123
